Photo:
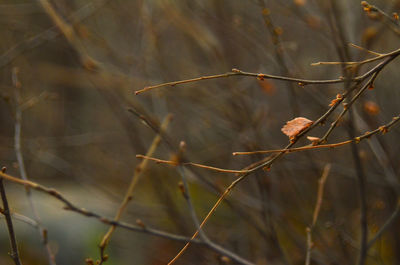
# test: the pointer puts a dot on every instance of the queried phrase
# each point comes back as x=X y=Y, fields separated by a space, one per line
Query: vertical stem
x=6 y=212
x=362 y=193
x=21 y=164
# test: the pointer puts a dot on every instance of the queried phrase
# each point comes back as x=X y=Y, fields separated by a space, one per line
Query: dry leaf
x=296 y=126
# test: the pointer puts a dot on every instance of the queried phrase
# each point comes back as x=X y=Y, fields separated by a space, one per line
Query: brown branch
x=237 y=72
x=296 y=149
x=174 y=163
x=68 y=205
x=379 y=56
x=261 y=76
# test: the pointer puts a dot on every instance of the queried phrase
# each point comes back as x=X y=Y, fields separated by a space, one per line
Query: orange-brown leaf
x=296 y=126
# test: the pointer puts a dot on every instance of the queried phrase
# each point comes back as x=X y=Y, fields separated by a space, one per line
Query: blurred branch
x=22 y=218
x=129 y=193
x=275 y=33
x=69 y=32
x=21 y=164
x=6 y=212
x=48 y=34
x=385 y=226
x=320 y=194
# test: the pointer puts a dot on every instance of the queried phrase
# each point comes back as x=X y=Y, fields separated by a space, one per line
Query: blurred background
x=74 y=88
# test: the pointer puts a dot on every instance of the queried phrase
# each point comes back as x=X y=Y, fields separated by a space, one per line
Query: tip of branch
x=315 y=64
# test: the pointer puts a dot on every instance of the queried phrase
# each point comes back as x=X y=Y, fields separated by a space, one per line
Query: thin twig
x=364 y=49
x=381 y=129
x=237 y=72
x=370 y=60
x=11 y=234
x=174 y=163
x=295 y=149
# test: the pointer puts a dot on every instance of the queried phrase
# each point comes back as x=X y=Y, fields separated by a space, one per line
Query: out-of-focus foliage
x=79 y=137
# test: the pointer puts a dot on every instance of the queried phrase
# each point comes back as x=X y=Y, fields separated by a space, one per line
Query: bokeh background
x=78 y=136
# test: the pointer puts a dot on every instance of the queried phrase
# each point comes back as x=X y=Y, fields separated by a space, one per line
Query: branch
x=381 y=129
x=387 y=224
x=68 y=205
x=48 y=34
x=261 y=76
x=70 y=34
x=21 y=165
x=174 y=163
x=11 y=234
x=320 y=194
